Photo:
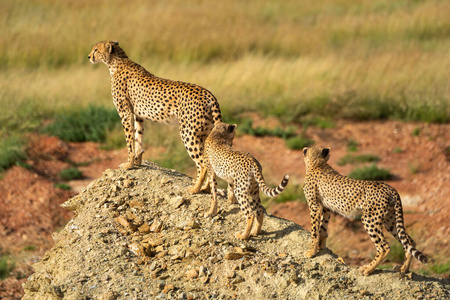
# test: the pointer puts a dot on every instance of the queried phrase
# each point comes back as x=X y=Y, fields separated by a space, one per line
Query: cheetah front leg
x=139 y=132
x=126 y=117
x=245 y=234
x=316 y=215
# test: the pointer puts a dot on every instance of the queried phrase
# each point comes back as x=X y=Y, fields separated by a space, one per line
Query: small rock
x=127 y=183
x=233 y=255
x=229 y=274
x=155 y=242
x=137 y=249
x=156 y=226
x=136 y=203
x=192 y=274
x=214 y=259
x=123 y=221
x=109 y=295
x=168 y=288
x=161 y=254
x=237 y=279
x=165 y=180
x=176 y=202
x=144 y=228
x=109 y=173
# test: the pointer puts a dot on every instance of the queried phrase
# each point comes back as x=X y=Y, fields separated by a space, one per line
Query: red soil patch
x=30 y=203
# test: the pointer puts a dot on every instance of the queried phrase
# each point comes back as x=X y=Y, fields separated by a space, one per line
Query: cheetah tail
x=405 y=239
x=215 y=109
x=275 y=191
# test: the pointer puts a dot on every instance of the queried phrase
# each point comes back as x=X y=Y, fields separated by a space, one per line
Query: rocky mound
x=139 y=235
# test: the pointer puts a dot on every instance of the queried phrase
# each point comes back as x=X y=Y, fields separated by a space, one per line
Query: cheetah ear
x=305 y=150
x=231 y=128
x=325 y=152
x=110 y=46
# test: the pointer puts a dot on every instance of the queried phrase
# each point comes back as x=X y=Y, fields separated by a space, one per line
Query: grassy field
x=292 y=59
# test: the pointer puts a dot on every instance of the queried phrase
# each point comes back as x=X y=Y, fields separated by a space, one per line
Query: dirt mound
x=139 y=235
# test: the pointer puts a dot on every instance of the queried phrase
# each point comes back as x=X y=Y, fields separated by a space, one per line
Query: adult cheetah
x=326 y=190
x=243 y=174
x=139 y=95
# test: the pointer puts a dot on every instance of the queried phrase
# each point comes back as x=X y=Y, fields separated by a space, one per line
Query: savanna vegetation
x=296 y=60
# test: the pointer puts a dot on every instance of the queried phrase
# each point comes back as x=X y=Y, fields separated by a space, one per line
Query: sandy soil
x=419 y=162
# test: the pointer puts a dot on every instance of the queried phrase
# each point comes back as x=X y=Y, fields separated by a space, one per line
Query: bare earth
x=31 y=213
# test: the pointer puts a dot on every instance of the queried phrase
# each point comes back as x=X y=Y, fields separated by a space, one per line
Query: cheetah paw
x=310 y=253
x=255 y=233
x=192 y=190
x=126 y=166
x=210 y=214
x=240 y=236
x=365 y=270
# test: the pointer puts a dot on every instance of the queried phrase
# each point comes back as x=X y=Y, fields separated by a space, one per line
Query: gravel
x=138 y=234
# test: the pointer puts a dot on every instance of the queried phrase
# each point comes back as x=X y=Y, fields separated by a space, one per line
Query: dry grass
x=293 y=59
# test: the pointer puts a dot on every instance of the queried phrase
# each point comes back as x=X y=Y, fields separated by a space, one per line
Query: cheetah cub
x=139 y=95
x=243 y=174
x=326 y=190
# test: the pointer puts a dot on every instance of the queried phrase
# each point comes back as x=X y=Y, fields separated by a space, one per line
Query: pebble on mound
x=137 y=234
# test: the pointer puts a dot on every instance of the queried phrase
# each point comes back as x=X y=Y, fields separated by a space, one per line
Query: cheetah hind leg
x=206 y=188
x=245 y=234
x=230 y=194
x=201 y=174
x=139 y=132
x=381 y=245
x=213 y=209
x=323 y=233
x=391 y=227
x=259 y=222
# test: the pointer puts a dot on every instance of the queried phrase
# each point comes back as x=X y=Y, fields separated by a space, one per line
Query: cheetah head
x=314 y=155
x=225 y=131
x=102 y=51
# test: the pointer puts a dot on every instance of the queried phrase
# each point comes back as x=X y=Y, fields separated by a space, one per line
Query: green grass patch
x=29 y=248
x=175 y=157
x=62 y=186
x=293 y=192
x=371 y=172
x=414 y=167
x=416 y=131
x=352 y=145
x=71 y=173
x=397 y=150
x=299 y=142
x=87 y=124
x=12 y=151
x=6 y=266
x=115 y=139
x=435 y=269
x=441 y=268
x=397 y=254
x=357 y=159
x=246 y=126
